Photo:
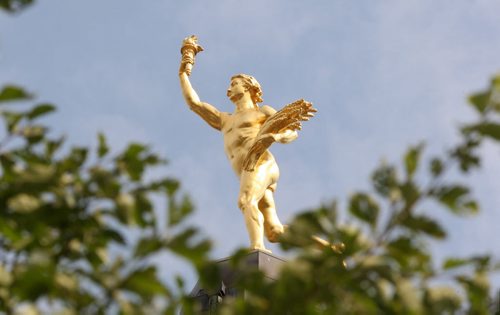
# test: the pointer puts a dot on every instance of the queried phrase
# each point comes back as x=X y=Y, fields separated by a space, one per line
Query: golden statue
x=248 y=133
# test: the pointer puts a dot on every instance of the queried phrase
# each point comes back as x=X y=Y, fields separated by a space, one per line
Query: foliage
x=15 y=6
x=68 y=216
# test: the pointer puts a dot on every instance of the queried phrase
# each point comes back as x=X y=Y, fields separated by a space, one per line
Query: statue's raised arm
x=206 y=111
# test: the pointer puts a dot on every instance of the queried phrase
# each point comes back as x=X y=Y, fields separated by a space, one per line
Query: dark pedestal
x=208 y=299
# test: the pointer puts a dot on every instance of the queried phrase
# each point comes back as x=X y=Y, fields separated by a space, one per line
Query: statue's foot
x=273 y=233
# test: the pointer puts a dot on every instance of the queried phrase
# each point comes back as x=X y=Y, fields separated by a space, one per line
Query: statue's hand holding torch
x=189 y=50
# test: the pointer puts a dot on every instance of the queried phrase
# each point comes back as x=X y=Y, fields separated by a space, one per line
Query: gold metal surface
x=248 y=133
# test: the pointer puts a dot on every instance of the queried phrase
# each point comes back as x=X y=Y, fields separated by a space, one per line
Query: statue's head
x=251 y=85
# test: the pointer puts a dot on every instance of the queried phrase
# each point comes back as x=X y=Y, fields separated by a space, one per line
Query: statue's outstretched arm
x=206 y=111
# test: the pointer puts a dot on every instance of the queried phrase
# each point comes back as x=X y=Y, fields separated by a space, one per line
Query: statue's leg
x=272 y=225
x=251 y=191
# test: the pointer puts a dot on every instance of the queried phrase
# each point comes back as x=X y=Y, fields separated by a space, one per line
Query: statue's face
x=236 y=89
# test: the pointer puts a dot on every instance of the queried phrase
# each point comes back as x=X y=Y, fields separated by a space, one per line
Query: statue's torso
x=239 y=130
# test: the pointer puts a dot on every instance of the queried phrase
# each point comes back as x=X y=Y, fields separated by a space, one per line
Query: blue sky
x=383 y=75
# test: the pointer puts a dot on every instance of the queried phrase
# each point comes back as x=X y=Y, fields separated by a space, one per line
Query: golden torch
x=189 y=50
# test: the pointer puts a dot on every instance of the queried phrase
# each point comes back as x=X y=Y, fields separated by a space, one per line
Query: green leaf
x=420 y=223
x=51 y=146
x=12 y=93
x=487 y=99
x=171 y=186
x=465 y=153
x=487 y=129
x=143 y=210
x=12 y=120
x=134 y=150
x=477 y=289
x=411 y=193
x=495 y=82
x=384 y=180
x=94 y=259
x=480 y=101
x=8 y=167
x=178 y=212
x=404 y=245
x=457 y=199
x=471 y=207
x=75 y=159
x=147 y=246
x=364 y=208
x=113 y=235
x=153 y=159
x=452 y=263
x=106 y=181
x=184 y=245
x=9 y=230
x=34 y=281
x=411 y=253
x=411 y=159
x=40 y=110
x=130 y=161
x=145 y=283
x=436 y=167
x=481 y=263
x=103 y=148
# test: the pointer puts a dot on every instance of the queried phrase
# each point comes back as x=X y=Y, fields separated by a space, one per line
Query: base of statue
x=207 y=299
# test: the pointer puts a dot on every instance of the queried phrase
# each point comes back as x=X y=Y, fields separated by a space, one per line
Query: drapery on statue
x=248 y=133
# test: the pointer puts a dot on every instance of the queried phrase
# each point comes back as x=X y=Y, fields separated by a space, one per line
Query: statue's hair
x=252 y=85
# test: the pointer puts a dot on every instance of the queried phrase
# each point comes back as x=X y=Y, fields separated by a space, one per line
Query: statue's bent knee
x=245 y=201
